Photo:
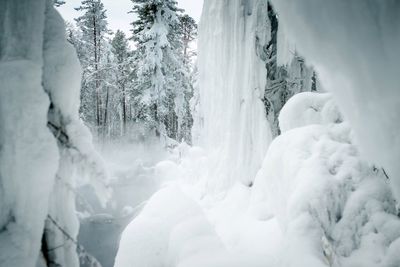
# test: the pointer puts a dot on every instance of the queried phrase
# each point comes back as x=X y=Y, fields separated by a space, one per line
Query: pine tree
x=93 y=25
x=120 y=49
x=159 y=63
x=188 y=31
x=189 y=34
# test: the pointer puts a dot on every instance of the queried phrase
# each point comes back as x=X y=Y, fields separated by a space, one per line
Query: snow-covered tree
x=120 y=49
x=161 y=75
x=189 y=34
x=93 y=27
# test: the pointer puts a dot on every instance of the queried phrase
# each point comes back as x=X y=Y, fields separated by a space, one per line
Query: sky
x=117 y=12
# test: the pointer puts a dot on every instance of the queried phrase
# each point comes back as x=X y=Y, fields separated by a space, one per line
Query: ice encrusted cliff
x=242 y=86
x=28 y=151
x=44 y=147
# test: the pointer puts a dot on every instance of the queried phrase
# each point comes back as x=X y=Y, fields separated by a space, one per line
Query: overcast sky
x=117 y=12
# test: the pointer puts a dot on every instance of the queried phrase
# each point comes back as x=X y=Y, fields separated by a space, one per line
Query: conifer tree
x=120 y=49
x=93 y=27
x=159 y=63
x=164 y=66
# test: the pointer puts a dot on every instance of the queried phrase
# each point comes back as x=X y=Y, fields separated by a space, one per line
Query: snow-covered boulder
x=171 y=230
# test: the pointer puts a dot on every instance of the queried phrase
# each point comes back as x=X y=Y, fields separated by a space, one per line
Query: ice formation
x=232 y=81
x=28 y=154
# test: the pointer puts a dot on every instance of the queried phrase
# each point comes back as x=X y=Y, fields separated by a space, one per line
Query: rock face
x=242 y=86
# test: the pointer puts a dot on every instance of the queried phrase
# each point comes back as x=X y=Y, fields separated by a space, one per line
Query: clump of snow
x=353 y=45
x=308 y=108
x=333 y=207
x=170 y=228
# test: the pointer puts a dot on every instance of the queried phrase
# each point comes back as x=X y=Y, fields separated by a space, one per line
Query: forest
x=137 y=133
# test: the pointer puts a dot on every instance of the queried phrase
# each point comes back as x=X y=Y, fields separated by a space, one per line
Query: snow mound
x=171 y=229
x=333 y=207
x=308 y=108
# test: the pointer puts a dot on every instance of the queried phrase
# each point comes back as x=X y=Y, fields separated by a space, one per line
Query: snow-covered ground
x=314 y=202
x=181 y=225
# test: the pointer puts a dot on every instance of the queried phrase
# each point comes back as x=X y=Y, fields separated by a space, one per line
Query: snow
x=145 y=240
x=176 y=230
x=333 y=207
x=308 y=108
x=353 y=45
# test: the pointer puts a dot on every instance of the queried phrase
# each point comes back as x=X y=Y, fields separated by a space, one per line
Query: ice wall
x=354 y=46
x=44 y=146
x=232 y=79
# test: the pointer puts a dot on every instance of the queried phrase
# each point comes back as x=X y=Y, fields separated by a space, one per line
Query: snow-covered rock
x=333 y=207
